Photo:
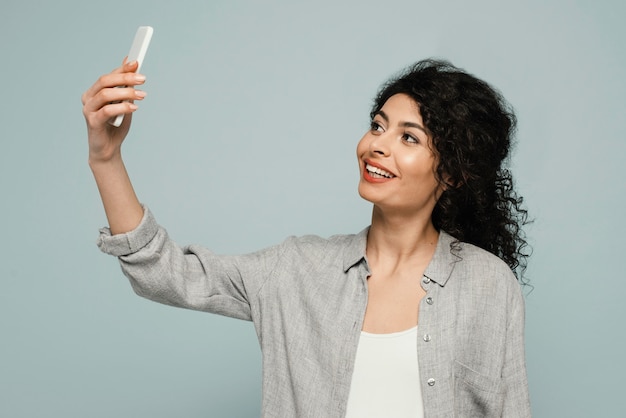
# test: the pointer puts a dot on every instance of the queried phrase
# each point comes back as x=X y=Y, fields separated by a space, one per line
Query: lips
x=376 y=173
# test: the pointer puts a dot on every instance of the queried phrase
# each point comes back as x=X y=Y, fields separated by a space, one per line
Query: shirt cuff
x=129 y=242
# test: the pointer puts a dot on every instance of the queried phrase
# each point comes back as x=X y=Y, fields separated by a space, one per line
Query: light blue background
x=247 y=135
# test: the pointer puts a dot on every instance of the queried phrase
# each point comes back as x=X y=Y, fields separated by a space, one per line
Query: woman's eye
x=375 y=127
x=410 y=139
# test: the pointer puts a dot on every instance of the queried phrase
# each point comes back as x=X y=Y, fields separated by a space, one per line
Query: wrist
x=97 y=161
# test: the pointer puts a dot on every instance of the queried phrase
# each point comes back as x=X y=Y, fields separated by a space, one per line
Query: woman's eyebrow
x=403 y=124
x=382 y=115
x=414 y=125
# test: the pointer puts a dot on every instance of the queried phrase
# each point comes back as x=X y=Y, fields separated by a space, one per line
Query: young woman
x=420 y=314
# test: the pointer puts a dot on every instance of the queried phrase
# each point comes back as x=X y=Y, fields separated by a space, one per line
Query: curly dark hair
x=471 y=127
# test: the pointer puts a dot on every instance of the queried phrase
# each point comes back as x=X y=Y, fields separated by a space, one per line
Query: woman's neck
x=398 y=238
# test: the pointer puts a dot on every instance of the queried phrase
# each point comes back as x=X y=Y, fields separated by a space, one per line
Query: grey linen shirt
x=307 y=299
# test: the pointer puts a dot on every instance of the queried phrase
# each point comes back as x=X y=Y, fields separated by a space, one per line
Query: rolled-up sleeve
x=130 y=242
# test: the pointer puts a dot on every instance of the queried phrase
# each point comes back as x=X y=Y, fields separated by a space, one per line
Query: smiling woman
x=397 y=160
x=420 y=314
x=470 y=127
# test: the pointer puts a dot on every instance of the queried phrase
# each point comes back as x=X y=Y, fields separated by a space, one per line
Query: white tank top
x=386 y=381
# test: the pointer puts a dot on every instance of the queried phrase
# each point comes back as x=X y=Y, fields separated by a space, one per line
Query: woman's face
x=396 y=161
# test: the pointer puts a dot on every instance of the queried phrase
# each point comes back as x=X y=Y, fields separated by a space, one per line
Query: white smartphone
x=137 y=53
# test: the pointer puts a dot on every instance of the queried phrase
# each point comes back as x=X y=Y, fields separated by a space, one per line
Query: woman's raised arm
x=101 y=102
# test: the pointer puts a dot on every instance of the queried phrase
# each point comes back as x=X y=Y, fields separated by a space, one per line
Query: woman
x=419 y=314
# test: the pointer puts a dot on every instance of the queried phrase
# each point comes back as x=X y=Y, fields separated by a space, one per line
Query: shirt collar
x=445 y=258
x=439 y=269
x=355 y=250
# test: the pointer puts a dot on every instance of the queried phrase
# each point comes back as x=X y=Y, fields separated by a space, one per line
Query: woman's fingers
x=110 y=95
x=111 y=102
x=126 y=67
x=113 y=94
x=111 y=80
x=103 y=115
x=123 y=75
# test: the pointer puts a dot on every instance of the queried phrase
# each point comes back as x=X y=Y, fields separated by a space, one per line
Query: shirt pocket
x=476 y=395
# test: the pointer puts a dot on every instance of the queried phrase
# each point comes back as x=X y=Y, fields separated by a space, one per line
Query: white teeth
x=379 y=171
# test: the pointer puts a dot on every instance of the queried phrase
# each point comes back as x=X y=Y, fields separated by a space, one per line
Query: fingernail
x=133 y=106
x=140 y=77
x=140 y=94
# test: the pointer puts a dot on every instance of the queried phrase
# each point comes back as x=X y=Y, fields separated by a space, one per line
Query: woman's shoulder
x=477 y=276
x=315 y=246
x=477 y=265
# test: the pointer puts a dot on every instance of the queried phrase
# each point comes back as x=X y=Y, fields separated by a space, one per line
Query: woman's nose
x=380 y=144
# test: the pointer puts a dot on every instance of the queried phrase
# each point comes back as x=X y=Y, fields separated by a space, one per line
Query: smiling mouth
x=378 y=173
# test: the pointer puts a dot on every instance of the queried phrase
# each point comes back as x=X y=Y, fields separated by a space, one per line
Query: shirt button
x=429 y=300
x=431 y=382
x=427 y=337
x=425 y=280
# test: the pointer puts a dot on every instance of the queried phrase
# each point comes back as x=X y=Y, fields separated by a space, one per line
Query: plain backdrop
x=248 y=135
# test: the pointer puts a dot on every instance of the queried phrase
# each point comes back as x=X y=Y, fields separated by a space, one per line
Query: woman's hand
x=105 y=100
x=101 y=102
